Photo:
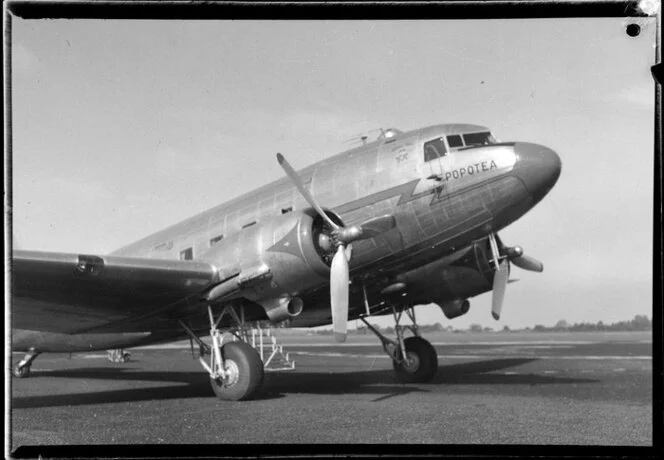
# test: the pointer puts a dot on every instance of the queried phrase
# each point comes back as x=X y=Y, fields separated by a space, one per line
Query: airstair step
x=272 y=353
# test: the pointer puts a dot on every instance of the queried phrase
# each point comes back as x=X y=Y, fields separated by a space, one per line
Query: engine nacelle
x=447 y=282
x=455 y=308
x=274 y=261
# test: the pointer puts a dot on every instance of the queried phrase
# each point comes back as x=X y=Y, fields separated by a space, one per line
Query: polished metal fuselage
x=384 y=177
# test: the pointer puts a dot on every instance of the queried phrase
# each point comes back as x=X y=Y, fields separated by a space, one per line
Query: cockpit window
x=484 y=138
x=454 y=141
x=434 y=149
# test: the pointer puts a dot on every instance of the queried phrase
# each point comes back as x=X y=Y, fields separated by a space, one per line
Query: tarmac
x=501 y=388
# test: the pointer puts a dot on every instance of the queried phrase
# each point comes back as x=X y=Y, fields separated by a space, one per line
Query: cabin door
x=435 y=153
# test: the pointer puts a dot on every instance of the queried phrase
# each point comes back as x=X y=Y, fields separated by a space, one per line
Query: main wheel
x=21 y=372
x=245 y=372
x=422 y=362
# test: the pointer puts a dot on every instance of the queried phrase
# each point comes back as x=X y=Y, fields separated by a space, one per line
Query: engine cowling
x=449 y=281
x=275 y=260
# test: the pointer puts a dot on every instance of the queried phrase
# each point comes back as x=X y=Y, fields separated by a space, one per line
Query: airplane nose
x=538 y=167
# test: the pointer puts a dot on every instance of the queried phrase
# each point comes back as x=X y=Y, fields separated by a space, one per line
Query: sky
x=121 y=128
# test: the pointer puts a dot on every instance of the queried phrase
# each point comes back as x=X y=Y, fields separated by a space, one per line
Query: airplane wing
x=70 y=293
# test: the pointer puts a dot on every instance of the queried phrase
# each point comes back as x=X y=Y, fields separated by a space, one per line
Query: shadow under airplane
x=380 y=382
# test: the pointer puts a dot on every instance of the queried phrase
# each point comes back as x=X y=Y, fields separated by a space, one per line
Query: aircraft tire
x=246 y=376
x=425 y=362
x=21 y=372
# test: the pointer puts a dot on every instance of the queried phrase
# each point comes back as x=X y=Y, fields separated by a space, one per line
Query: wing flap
x=59 y=292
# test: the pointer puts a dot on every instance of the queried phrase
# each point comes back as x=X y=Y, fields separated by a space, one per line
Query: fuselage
x=446 y=185
x=438 y=199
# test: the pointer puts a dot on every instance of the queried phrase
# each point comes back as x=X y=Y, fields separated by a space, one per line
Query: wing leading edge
x=70 y=293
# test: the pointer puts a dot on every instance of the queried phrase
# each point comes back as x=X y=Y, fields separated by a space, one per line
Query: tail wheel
x=422 y=362
x=244 y=369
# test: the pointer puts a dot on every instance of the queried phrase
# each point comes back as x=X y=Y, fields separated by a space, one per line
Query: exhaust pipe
x=284 y=308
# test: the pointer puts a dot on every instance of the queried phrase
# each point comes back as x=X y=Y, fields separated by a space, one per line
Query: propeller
x=341 y=237
x=499 y=285
x=295 y=179
x=517 y=257
x=339 y=294
x=500 y=279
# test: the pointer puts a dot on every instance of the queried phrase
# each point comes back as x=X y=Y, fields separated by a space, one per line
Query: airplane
x=408 y=219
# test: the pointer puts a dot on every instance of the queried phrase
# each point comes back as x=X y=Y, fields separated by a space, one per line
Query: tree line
x=638 y=323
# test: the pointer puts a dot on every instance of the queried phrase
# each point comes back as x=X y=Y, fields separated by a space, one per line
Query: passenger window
x=216 y=239
x=455 y=141
x=187 y=254
x=434 y=149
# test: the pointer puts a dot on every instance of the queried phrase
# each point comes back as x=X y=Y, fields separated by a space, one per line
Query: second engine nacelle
x=449 y=281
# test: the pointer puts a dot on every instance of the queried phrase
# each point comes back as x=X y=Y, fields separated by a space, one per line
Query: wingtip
x=280 y=158
x=340 y=337
x=496 y=316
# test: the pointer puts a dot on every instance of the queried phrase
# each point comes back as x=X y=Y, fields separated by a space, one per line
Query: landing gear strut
x=414 y=359
x=236 y=369
x=22 y=369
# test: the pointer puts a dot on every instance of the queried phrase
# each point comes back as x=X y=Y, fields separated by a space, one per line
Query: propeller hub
x=347 y=235
x=515 y=251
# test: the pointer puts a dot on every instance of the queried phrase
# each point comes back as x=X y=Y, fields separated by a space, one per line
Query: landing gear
x=22 y=369
x=421 y=363
x=236 y=369
x=243 y=371
x=414 y=359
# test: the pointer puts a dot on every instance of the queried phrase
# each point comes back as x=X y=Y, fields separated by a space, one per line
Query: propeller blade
x=376 y=226
x=368 y=229
x=528 y=263
x=339 y=294
x=499 y=283
x=295 y=179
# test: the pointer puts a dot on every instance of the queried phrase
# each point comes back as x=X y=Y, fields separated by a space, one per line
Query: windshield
x=484 y=138
x=454 y=141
